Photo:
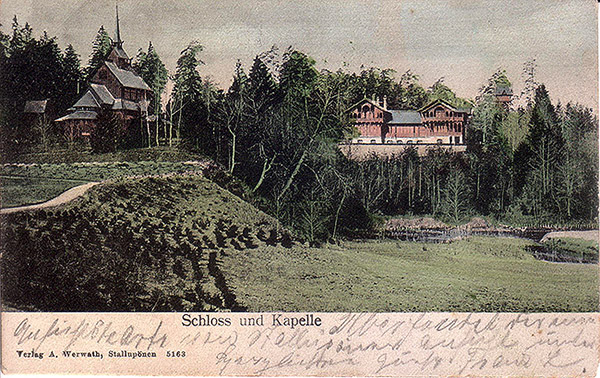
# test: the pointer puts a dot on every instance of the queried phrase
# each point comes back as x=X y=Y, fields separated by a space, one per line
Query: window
x=409 y=142
x=390 y=141
x=418 y=142
x=373 y=141
x=360 y=141
x=439 y=141
x=399 y=142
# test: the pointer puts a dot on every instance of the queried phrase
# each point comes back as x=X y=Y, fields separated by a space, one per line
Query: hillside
x=149 y=244
x=183 y=243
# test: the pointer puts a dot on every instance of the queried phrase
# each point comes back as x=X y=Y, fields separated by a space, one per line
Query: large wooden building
x=113 y=87
x=437 y=123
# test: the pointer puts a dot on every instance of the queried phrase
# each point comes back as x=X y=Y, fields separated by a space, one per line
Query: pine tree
x=107 y=133
x=263 y=88
x=73 y=77
x=153 y=71
x=187 y=92
x=537 y=160
x=100 y=48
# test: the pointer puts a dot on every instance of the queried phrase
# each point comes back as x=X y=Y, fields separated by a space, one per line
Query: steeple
x=117 y=42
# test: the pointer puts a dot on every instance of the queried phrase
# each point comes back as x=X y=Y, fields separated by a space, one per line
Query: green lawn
x=183 y=243
x=476 y=274
x=82 y=154
x=33 y=183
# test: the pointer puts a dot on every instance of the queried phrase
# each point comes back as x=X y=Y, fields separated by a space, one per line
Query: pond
x=539 y=251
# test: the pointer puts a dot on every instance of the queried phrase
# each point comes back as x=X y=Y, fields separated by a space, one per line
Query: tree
x=187 y=107
x=440 y=91
x=73 y=77
x=107 y=134
x=100 y=48
x=233 y=110
x=153 y=71
x=537 y=160
x=577 y=174
x=415 y=96
x=529 y=89
x=456 y=196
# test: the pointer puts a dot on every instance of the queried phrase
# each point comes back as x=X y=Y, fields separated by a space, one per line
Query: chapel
x=114 y=87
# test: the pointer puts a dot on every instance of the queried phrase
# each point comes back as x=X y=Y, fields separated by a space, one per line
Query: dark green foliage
x=100 y=49
x=108 y=133
x=152 y=244
x=33 y=69
x=153 y=71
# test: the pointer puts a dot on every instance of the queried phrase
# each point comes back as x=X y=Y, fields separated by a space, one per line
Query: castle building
x=113 y=87
x=437 y=123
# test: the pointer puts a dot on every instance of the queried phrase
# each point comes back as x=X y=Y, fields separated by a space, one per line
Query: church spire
x=118 y=41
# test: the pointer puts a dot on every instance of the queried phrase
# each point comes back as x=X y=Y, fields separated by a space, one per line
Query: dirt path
x=63 y=198
x=585 y=235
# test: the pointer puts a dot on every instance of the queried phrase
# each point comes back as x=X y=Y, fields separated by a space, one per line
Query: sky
x=463 y=41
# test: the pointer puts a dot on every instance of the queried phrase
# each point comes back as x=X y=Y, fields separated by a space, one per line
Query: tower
x=503 y=95
x=118 y=42
x=118 y=54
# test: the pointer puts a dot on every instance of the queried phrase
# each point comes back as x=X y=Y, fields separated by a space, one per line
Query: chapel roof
x=127 y=78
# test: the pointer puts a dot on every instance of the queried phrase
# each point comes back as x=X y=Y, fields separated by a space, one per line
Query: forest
x=278 y=126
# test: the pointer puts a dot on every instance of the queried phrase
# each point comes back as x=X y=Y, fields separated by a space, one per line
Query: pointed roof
x=87 y=101
x=436 y=103
x=503 y=90
x=127 y=78
x=118 y=42
x=372 y=102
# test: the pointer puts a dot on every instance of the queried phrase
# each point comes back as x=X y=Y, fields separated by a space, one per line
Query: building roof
x=102 y=94
x=127 y=78
x=121 y=104
x=87 y=101
x=436 y=103
x=120 y=52
x=37 y=107
x=405 y=117
x=79 y=115
x=503 y=90
x=374 y=103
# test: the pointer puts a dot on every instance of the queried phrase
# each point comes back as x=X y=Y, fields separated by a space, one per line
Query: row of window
x=432 y=114
x=133 y=94
x=373 y=141
x=439 y=141
x=364 y=115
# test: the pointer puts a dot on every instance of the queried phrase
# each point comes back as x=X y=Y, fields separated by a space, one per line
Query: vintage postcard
x=299 y=188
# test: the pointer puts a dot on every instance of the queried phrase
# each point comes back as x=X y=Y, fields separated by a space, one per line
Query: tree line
x=278 y=125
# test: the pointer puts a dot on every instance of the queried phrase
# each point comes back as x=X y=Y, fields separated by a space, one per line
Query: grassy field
x=80 y=154
x=24 y=184
x=183 y=243
x=476 y=274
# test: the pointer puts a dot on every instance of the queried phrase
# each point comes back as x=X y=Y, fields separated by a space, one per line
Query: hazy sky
x=464 y=41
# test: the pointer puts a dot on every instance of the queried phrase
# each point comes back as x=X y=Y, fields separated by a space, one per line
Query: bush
x=107 y=134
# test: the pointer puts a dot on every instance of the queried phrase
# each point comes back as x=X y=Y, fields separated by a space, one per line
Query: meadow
x=184 y=243
x=24 y=184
